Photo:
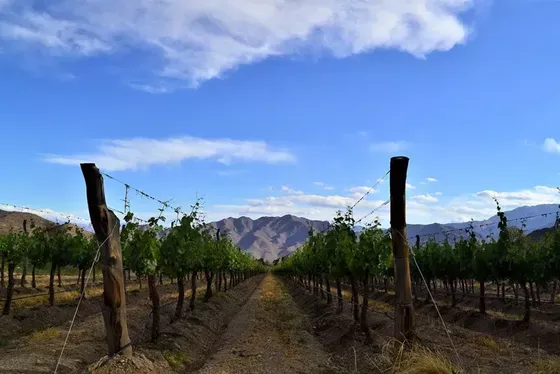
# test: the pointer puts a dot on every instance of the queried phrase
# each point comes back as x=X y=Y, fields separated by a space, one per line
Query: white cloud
x=410 y=186
x=150 y=88
x=47 y=213
x=324 y=185
x=431 y=180
x=535 y=195
x=324 y=201
x=291 y=191
x=426 y=208
x=309 y=206
x=551 y=145
x=437 y=193
x=361 y=190
x=187 y=42
x=425 y=198
x=138 y=153
x=59 y=36
x=388 y=147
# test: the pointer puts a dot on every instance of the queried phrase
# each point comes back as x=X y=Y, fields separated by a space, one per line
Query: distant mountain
x=269 y=237
x=541 y=216
x=13 y=221
x=437 y=231
x=540 y=233
x=274 y=237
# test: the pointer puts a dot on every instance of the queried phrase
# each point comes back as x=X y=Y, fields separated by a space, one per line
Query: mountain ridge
x=12 y=221
x=263 y=242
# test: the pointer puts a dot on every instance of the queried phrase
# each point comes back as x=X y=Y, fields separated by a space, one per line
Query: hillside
x=540 y=233
x=269 y=237
x=13 y=221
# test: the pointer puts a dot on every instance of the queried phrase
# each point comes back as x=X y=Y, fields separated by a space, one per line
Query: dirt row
x=36 y=315
x=503 y=319
x=267 y=325
x=37 y=350
x=505 y=322
x=508 y=305
x=269 y=335
x=472 y=351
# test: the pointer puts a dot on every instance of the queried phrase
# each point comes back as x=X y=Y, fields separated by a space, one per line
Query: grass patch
x=550 y=366
x=506 y=316
x=287 y=320
x=486 y=341
x=397 y=359
x=381 y=307
x=46 y=334
x=60 y=298
x=176 y=359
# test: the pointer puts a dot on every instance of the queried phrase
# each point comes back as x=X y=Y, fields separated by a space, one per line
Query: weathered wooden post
x=404 y=312
x=107 y=231
x=416 y=283
x=24 y=270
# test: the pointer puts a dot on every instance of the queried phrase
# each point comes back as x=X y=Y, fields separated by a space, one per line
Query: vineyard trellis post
x=24 y=265
x=107 y=230
x=404 y=313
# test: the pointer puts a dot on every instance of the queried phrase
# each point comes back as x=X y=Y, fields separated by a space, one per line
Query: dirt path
x=269 y=335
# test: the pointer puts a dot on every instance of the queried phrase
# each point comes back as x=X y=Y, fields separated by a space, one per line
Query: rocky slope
x=13 y=221
x=269 y=237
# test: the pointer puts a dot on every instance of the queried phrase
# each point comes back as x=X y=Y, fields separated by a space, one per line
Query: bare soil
x=502 y=321
x=34 y=314
x=477 y=351
x=273 y=325
x=33 y=346
x=269 y=336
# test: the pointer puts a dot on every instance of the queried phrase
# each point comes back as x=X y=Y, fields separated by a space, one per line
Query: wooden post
x=416 y=281
x=107 y=231
x=24 y=270
x=404 y=313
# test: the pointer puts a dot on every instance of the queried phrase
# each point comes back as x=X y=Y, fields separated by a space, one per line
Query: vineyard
x=468 y=264
x=136 y=296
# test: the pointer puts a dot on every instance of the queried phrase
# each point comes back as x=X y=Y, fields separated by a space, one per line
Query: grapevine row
x=341 y=255
x=190 y=248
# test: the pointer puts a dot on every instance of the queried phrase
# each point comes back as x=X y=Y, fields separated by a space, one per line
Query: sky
x=273 y=107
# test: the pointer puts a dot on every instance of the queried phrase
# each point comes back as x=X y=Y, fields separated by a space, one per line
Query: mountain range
x=270 y=238
x=274 y=237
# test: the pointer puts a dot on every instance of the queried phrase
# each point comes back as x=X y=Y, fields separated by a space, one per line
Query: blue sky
x=270 y=108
